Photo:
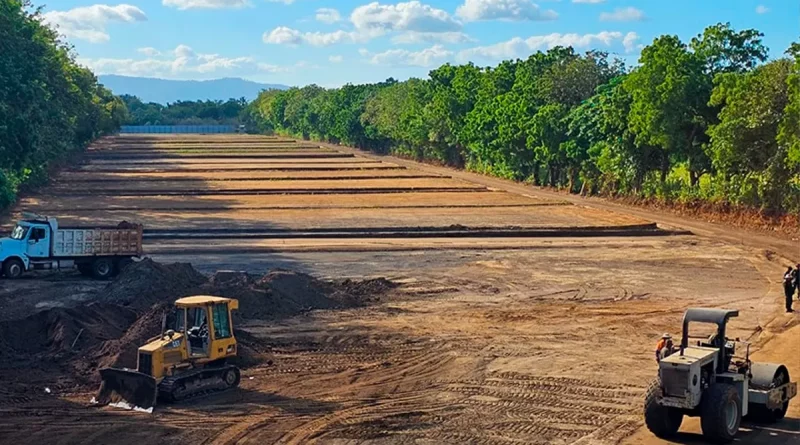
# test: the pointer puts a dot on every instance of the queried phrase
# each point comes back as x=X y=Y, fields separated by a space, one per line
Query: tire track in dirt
x=315 y=428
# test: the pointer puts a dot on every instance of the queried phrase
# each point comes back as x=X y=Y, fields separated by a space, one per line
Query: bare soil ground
x=481 y=339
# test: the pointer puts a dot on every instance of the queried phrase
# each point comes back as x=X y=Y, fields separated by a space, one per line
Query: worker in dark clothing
x=789 y=285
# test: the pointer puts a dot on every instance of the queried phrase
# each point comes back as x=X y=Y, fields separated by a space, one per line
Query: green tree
x=670 y=104
x=790 y=127
x=724 y=50
x=50 y=107
x=745 y=142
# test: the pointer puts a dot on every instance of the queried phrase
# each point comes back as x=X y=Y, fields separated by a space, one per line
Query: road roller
x=704 y=378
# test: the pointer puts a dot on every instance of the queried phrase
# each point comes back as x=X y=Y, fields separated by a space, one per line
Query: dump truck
x=38 y=242
x=706 y=379
x=192 y=357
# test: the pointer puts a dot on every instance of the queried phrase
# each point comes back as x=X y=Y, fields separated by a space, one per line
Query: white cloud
x=328 y=15
x=629 y=42
x=330 y=38
x=206 y=4
x=588 y=1
x=412 y=37
x=629 y=14
x=417 y=22
x=509 y=49
x=183 y=51
x=408 y=16
x=518 y=47
x=509 y=10
x=285 y=2
x=424 y=58
x=214 y=62
x=90 y=22
x=335 y=59
x=179 y=62
x=149 y=52
x=761 y=9
x=283 y=35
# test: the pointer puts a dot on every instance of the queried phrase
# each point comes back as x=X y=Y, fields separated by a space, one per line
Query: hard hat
x=666 y=337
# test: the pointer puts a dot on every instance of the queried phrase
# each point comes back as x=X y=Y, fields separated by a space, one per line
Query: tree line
x=208 y=112
x=50 y=107
x=710 y=119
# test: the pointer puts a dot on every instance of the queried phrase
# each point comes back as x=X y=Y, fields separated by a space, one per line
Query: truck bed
x=98 y=241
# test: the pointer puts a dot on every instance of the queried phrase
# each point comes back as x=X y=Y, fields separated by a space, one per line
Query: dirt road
x=521 y=316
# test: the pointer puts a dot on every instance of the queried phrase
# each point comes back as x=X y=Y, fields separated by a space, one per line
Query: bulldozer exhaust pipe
x=126 y=388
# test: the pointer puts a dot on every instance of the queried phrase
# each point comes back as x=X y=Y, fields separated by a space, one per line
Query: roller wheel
x=13 y=268
x=761 y=413
x=720 y=413
x=663 y=421
x=102 y=268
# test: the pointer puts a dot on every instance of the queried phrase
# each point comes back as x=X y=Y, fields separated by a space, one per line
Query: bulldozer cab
x=193 y=322
x=206 y=323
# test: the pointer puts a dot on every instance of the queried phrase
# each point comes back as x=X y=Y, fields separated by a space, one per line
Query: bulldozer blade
x=126 y=388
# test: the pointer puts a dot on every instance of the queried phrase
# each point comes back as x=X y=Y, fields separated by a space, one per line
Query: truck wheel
x=13 y=268
x=720 y=413
x=102 y=268
x=663 y=421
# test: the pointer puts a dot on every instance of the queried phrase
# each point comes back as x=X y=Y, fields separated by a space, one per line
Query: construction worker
x=789 y=284
x=664 y=347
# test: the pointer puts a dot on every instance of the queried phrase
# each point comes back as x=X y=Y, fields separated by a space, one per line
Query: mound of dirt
x=359 y=293
x=229 y=278
x=57 y=331
x=121 y=352
x=145 y=283
x=72 y=344
x=277 y=294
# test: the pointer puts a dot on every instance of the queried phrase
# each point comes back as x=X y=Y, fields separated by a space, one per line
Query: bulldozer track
x=167 y=385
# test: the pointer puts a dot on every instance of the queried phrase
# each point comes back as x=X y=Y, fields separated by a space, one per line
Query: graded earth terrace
x=513 y=315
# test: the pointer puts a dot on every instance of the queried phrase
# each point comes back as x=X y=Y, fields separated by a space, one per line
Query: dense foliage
x=49 y=106
x=709 y=119
x=199 y=112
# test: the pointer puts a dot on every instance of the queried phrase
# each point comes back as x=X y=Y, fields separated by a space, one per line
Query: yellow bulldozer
x=188 y=360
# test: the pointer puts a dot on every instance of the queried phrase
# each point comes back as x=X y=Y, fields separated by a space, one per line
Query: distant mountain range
x=162 y=90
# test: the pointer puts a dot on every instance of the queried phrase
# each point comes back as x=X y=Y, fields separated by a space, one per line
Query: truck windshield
x=19 y=232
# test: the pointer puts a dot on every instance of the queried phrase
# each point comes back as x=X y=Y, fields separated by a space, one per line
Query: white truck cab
x=29 y=239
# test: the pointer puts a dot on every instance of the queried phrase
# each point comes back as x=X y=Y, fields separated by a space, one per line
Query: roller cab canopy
x=202 y=300
x=716 y=316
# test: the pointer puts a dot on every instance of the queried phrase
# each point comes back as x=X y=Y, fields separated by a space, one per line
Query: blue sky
x=327 y=42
